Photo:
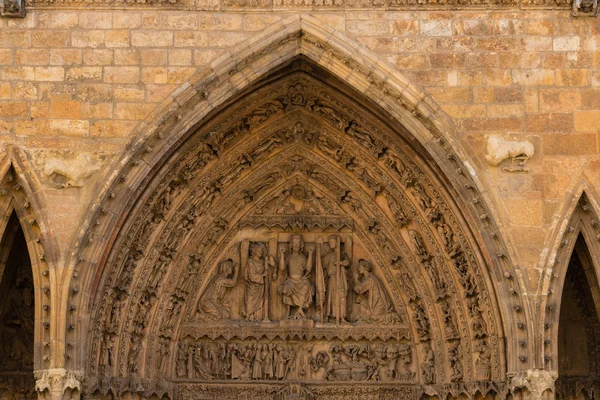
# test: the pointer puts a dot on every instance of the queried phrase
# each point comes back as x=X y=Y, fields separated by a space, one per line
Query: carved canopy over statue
x=294 y=238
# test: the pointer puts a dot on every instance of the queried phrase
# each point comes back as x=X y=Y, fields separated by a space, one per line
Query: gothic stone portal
x=295 y=246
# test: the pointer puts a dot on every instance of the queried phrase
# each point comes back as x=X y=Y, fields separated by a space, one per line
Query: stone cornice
x=303 y=5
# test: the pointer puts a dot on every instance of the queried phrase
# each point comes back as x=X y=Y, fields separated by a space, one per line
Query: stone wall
x=78 y=85
x=83 y=80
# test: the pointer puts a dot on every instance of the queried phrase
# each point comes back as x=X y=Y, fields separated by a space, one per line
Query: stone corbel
x=12 y=8
x=58 y=384
x=499 y=150
x=585 y=8
x=533 y=385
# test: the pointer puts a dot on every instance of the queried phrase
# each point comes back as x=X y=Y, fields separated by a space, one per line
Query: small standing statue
x=334 y=264
x=256 y=272
x=296 y=291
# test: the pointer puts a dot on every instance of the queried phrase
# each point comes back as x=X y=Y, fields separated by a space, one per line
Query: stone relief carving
x=374 y=303
x=296 y=291
x=208 y=360
x=519 y=153
x=214 y=303
x=280 y=262
x=290 y=277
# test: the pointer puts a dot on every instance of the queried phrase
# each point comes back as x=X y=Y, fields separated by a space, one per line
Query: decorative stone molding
x=182 y=237
x=290 y=182
x=304 y=6
x=12 y=8
x=58 y=384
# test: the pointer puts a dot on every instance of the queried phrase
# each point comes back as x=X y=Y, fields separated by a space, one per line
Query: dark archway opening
x=579 y=329
x=17 y=312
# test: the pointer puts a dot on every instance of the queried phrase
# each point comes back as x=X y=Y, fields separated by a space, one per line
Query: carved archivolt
x=293 y=237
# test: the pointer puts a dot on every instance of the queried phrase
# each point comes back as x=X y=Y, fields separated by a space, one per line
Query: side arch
x=578 y=237
x=399 y=102
x=22 y=200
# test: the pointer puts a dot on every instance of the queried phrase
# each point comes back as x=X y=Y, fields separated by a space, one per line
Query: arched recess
x=17 y=311
x=573 y=283
x=387 y=148
x=22 y=224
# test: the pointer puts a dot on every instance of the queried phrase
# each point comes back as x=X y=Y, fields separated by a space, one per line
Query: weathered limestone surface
x=496 y=105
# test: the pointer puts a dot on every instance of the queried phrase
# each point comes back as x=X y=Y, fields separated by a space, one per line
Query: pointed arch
x=407 y=110
x=577 y=242
x=22 y=207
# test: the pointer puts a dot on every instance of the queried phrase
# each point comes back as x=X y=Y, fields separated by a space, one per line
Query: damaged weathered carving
x=585 y=8
x=12 y=8
x=519 y=153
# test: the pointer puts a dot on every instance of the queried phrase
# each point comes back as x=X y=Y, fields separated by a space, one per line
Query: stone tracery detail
x=293 y=248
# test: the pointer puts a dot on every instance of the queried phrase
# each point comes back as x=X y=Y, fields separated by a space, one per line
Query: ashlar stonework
x=299 y=200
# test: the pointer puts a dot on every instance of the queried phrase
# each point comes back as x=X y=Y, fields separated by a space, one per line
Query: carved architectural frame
x=20 y=194
x=205 y=94
x=581 y=219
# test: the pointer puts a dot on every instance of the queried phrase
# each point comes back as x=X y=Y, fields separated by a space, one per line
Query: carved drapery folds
x=294 y=237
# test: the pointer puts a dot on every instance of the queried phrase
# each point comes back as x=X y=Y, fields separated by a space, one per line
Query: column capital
x=533 y=384
x=58 y=384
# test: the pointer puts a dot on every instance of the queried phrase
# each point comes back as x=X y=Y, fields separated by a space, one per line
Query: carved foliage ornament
x=312 y=231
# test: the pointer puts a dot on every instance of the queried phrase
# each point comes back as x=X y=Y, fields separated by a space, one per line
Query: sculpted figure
x=283 y=360
x=187 y=282
x=297 y=291
x=161 y=268
x=172 y=312
x=451 y=331
x=201 y=359
x=107 y=350
x=421 y=320
x=162 y=357
x=257 y=362
x=134 y=352
x=141 y=314
x=405 y=354
x=428 y=366
x=454 y=357
x=256 y=273
x=336 y=285
x=375 y=305
x=182 y=359
x=267 y=357
x=214 y=303
x=115 y=312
